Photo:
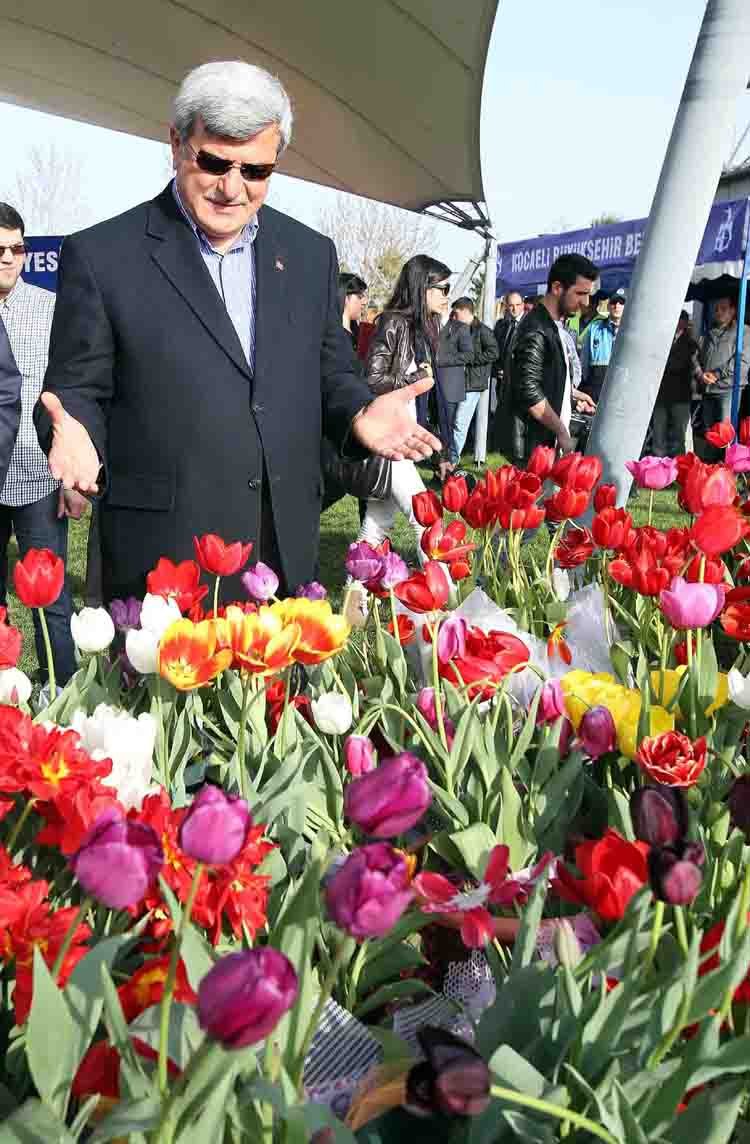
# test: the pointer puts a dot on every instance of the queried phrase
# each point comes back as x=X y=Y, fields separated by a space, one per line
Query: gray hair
x=234 y=100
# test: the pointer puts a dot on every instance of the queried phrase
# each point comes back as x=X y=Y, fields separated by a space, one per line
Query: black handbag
x=368 y=479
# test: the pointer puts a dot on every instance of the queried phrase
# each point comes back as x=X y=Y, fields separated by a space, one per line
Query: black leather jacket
x=537 y=372
x=390 y=353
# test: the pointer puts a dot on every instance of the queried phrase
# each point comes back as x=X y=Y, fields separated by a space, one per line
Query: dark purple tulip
x=391 y=799
x=126 y=614
x=597 y=733
x=215 y=827
x=454 y=1080
x=739 y=804
x=659 y=815
x=117 y=860
x=312 y=591
x=394 y=571
x=243 y=998
x=369 y=892
x=363 y=562
x=675 y=872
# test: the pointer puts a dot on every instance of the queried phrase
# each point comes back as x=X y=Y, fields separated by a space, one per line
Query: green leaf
x=197 y=955
x=708 y=678
x=524 y=947
x=34 y=1123
x=710 y=1117
x=524 y=739
x=51 y=1041
x=128 y=1117
x=393 y=992
x=514 y=1071
x=391 y=964
x=83 y=991
x=474 y=845
x=512 y=821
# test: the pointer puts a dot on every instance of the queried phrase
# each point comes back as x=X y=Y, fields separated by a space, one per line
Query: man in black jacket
x=540 y=393
x=486 y=353
x=198 y=354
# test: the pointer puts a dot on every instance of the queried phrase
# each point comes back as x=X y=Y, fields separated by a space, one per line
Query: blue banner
x=40 y=263
x=614 y=248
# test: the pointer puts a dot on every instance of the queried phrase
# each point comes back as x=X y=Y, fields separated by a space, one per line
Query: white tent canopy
x=386 y=95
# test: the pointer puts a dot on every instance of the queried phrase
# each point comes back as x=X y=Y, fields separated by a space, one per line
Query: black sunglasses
x=17 y=249
x=215 y=165
x=445 y=289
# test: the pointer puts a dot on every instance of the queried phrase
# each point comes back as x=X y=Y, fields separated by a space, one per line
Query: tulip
x=405 y=629
x=158 y=614
x=577 y=472
x=476 y=511
x=653 y=472
x=452 y=638
x=659 y=815
x=453 y=1080
x=446 y=543
x=739 y=688
x=560 y=583
x=92 y=629
x=359 y=755
x=574 y=548
x=391 y=799
x=455 y=493
x=675 y=872
x=332 y=713
x=718 y=529
x=15 y=686
x=672 y=759
x=39 y=577
x=605 y=497
x=691 y=605
x=744 y=431
x=217 y=557
x=597 y=732
x=739 y=804
x=706 y=570
x=118 y=860
x=551 y=703
x=362 y=562
x=243 y=998
x=425 y=591
x=126 y=614
x=737 y=457
x=567 y=946
x=142 y=649
x=721 y=434
x=312 y=591
x=178 y=582
x=369 y=892
x=566 y=504
x=188 y=655
x=215 y=828
x=707 y=486
x=613 y=528
x=260 y=582
x=394 y=571
x=427 y=508
x=426 y=705
x=541 y=462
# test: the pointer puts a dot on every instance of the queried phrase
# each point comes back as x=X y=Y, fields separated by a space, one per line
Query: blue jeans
x=37 y=526
x=464 y=415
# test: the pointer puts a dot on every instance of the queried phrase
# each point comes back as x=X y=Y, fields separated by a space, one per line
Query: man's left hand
x=387 y=426
x=584 y=403
x=71 y=504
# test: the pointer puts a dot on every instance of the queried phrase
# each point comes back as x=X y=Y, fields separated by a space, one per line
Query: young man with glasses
x=198 y=353
x=32 y=503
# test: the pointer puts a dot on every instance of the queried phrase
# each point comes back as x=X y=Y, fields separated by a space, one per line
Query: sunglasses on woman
x=212 y=164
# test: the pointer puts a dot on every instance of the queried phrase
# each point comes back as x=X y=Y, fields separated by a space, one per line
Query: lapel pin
x=279 y=264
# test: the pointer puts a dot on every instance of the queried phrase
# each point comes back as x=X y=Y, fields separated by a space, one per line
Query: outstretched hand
x=72 y=458
x=387 y=426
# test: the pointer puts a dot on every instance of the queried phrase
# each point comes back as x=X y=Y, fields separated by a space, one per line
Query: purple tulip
x=567 y=737
x=597 y=733
x=453 y=1080
x=393 y=571
x=689 y=605
x=359 y=755
x=260 y=582
x=214 y=830
x=363 y=563
x=659 y=815
x=312 y=591
x=426 y=705
x=391 y=799
x=551 y=702
x=126 y=614
x=653 y=472
x=675 y=872
x=117 y=860
x=739 y=804
x=452 y=638
x=243 y=998
x=369 y=892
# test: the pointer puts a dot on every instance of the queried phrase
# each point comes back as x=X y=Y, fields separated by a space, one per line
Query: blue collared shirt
x=233 y=275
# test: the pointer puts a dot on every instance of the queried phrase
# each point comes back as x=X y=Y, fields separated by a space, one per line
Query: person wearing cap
x=598 y=343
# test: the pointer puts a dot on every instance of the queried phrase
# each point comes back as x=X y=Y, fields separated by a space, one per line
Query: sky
x=578 y=105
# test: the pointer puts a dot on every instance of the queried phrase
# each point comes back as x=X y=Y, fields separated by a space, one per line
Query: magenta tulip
x=689 y=605
x=597 y=733
x=653 y=472
x=426 y=705
x=117 y=860
x=452 y=638
x=369 y=892
x=215 y=827
x=551 y=702
x=359 y=755
x=243 y=998
x=391 y=799
x=260 y=582
x=676 y=872
x=737 y=458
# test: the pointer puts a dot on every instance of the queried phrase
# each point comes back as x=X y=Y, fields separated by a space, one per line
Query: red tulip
x=577 y=472
x=219 y=558
x=39 y=578
x=717 y=530
x=541 y=462
x=486 y=660
x=744 y=431
x=708 y=486
x=476 y=511
x=613 y=528
x=427 y=508
x=708 y=569
x=721 y=434
x=180 y=581
x=455 y=494
x=605 y=497
x=641 y=571
x=406 y=627
x=574 y=548
x=446 y=544
x=566 y=504
x=425 y=591
x=672 y=759
x=613 y=871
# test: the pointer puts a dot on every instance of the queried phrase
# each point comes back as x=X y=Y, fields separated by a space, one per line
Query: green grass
x=338 y=528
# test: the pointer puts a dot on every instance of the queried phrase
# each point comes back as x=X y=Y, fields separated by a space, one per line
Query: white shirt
x=566 y=411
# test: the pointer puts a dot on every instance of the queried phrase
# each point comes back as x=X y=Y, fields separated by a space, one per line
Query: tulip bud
x=426 y=705
x=142 y=649
x=369 y=892
x=739 y=804
x=551 y=703
x=215 y=827
x=359 y=755
x=427 y=508
x=455 y=493
x=243 y=998
x=92 y=629
x=675 y=872
x=605 y=497
x=117 y=860
x=332 y=713
x=597 y=732
x=659 y=815
x=312 y=591
x=452 y=638
x=391 y=799
x=15 y=686
x=126 y=614
x=567 y=946
x=541 y=461
x=260 y=582
x=454 y=1080
x=560 y=583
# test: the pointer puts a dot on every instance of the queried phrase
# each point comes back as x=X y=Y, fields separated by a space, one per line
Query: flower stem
x=679 y=921
x=693 y=717
x=19 y=825
x=394 y=618
x=241 y=776
x=83 y=909
x=436 y=687
x=650 y=505
x=48 y=653
x=216 y=597
x=556 y=1110
x=325 y=993
x=655 y=935
x=166 y=1001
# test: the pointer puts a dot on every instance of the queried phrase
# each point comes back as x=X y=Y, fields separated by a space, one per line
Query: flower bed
x=465 y=861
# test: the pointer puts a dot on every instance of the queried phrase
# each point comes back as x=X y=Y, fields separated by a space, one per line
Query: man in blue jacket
x=597 y=345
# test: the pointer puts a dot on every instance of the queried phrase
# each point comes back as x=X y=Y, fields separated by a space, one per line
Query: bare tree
x=374 y=240
x=48 y=191
x=605 y=219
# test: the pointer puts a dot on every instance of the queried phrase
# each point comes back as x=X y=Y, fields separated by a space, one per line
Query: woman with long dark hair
x=402 y=349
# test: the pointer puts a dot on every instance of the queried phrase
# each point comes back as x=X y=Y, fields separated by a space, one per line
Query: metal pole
x=737 y=385
x=701 y=139
x=482 y=415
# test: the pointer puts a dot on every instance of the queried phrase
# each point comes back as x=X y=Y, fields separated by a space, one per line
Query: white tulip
x=92 y=629
x=158 y=614
x=561 y=583
x=111 y=733
x=15 y=686
x=739 y=688
x=142 y=648
x=332 y=713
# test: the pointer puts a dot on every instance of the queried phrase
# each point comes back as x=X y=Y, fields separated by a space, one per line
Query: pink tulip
x=452 y=639
x=426 y=705
x=369 y=892
x=117 y=860
x=390 y=799
x=691 y=605
x=737 y=458
x=215 y=827
x=653 y=472
x=359 y=755
x=552 y=702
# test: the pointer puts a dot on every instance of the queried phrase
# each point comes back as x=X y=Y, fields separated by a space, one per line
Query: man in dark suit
x=198 y=354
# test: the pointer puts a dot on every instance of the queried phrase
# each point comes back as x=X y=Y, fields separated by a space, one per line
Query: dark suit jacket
x=144 y=354
x=10 y=402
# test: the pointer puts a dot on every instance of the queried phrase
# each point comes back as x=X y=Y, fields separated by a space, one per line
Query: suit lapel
x=271 y=297
x=178 y=257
